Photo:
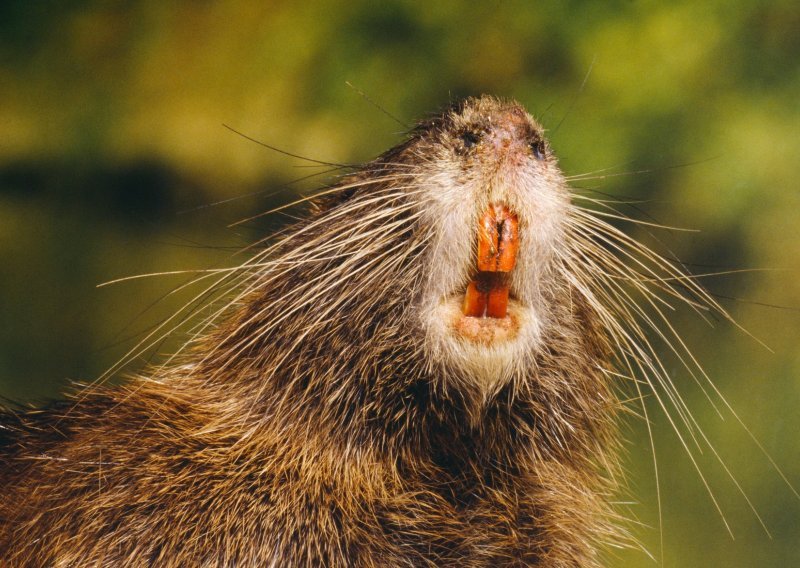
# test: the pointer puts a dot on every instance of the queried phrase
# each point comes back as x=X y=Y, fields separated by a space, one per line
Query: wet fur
x=326 y=417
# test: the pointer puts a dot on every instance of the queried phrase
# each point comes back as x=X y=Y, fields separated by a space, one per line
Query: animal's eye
x=539 y=148
x=469 y=139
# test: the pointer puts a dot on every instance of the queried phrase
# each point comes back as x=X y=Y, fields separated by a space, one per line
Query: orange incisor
x=498 y=242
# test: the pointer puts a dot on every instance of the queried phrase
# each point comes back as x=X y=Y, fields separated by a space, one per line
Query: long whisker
x=613 y=259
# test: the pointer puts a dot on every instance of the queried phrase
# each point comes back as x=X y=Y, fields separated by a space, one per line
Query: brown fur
x=309 y=426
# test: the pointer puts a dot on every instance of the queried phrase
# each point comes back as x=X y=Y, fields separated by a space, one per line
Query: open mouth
x=488 y=312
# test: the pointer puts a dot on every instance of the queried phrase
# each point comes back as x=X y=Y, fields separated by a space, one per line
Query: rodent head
x=373 y=285
x=482 y=154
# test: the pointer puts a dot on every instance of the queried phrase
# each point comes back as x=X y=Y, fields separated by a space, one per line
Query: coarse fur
x=332 y=414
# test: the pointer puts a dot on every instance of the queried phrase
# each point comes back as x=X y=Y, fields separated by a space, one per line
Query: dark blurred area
x=114 y=162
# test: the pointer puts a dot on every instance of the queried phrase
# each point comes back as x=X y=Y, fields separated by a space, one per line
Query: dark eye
x=539 y=149
x=469 y=139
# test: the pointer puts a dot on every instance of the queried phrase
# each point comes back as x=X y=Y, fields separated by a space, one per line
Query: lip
x=486 y=330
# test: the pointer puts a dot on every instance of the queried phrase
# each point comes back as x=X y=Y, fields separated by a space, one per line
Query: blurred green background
x=114 y=162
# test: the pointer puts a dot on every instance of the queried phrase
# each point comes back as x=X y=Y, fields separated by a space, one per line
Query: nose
x=501 y=140
x=508 y=132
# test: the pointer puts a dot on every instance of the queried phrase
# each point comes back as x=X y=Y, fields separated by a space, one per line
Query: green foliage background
x=114 y=162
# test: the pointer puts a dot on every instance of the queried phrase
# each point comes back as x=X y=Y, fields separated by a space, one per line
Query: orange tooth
x=508 y=241
x=498 y=243
x=497 y=302
x=474 y=301
x=487 y=242
x=498 y=240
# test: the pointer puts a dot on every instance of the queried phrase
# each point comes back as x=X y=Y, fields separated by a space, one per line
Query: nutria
x=422 y=371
